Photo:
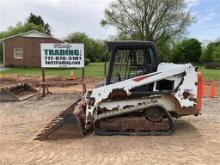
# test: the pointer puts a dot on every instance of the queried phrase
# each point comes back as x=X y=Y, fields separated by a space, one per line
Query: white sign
x=58 y=55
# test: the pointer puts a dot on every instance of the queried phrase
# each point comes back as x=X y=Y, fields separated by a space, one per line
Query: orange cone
x=71 y=75
x=212 y=92
x=203 y=88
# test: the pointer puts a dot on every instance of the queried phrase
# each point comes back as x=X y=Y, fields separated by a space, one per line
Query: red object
x=199 y=91
x=203 y=88
x=71 y=75
x=212 y=92
x=137 y=79
x=140 y=78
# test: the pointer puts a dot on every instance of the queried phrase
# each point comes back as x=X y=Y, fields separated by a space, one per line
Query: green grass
x=210 y=74
x=92 y=70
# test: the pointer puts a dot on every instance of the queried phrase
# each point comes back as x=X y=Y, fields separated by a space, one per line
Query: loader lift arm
x=126 y=86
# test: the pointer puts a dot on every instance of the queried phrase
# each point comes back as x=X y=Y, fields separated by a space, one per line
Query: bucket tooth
x=65 y=126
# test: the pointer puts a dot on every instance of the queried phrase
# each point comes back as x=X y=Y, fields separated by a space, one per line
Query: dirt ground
x=196 y=140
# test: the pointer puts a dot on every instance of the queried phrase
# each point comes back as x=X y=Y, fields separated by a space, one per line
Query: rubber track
x=110 y=115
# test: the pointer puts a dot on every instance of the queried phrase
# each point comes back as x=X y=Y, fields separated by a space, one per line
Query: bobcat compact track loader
x=139 y=97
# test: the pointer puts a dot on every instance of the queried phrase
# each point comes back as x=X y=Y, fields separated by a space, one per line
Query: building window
x=18 y=53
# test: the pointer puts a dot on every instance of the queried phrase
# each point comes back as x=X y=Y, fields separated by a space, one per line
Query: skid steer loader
x=139 y=97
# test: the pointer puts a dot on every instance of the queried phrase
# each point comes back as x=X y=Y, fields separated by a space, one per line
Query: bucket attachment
x=17 y=92
x=66 y=125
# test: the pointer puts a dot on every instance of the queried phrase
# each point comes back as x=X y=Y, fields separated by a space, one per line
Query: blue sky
x=207 y=22
x=67 y=16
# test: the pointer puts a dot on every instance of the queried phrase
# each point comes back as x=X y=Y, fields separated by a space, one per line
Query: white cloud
x=67 y=16
x=189 y=1
x=64 y=16
x=192 y=3
x=207 y=17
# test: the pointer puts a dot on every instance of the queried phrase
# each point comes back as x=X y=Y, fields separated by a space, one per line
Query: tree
x=211 y=53
x=164 y=52
x=154 y=20
x=18 y=28
x=37 y=20
x=188 y=50
x=82 y=38
x=177 y=55
x=1 y=53
x=94 y=49
x=216 y=55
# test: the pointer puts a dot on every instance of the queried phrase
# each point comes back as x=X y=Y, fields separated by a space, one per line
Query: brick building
x=24 y=49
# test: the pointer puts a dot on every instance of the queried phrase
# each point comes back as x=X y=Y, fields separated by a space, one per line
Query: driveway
x=2 y=68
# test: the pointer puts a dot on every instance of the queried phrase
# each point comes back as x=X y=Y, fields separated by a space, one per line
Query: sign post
x=61 y=55
x=43 y=80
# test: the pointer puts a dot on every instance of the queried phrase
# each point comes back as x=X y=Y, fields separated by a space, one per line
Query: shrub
x=87 y=61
